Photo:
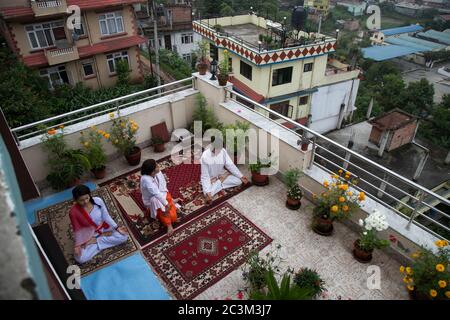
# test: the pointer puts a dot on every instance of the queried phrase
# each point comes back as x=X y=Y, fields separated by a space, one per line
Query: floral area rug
x=183 y=182
x=205 y=250
x=57 y=217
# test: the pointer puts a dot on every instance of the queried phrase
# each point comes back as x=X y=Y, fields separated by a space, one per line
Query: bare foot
x=208 y=198
x=169 y=230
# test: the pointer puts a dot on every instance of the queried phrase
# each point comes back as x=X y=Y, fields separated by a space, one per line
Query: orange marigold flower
x=334 y=208
x=410 y=287
x=362 y=196
x=433 y=293
x=326 y=184
x=442 y=283
x=341 y=199
x=447 y=294
x=440 y=267
x=345 y=208
x=340 y=171
x=402 y=269
x=51 y=132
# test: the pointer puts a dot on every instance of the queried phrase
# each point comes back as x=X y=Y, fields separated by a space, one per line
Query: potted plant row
x=337 y=203
x=294 y=193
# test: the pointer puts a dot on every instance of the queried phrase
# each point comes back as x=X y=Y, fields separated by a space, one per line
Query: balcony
x=62 y=55
x=345 y=278
x=337 y=71
x=42 y=8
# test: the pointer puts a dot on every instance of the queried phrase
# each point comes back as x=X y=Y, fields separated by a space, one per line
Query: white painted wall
x=326 y=103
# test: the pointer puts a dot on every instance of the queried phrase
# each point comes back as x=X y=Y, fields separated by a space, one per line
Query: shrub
x=290 y=179
x=93 y=148
x=123 y=135
x=311 y=280
x=205 y=115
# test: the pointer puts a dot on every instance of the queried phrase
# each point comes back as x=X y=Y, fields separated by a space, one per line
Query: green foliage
x=205 y=115
x=284 y=290
x=390 y=94
x=260 y=164
x=311 y=280
x=123 y=135
x=290 y=179
x=93 y=148
x=66 y=165
x=174 y=65
x=224 y=64
x=157 y=140
x=123 y=73
x=234 y=134
x=202 y=51
x=418 y=98
x=369 y=241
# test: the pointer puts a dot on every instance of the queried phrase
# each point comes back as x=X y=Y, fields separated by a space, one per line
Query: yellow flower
x=415 y=255
x=107 y=135
x=442 y=283
x=122 y=125
x=347 y=176
x=433 y=293
x=441 y=243
x=402 y=269
x=116 y=141
x=408 y=270
x=340 y=171
x=407 y=280
x=335 y=176
x=86 y=144
x=341 y=199
x=344 y=187
x=61 y=126
x=333 y=185
x=111 y=115
x=334 y=208
x=447 y=294
x=345 y=208
x=410 y=287
x=350 y=193
x=440 y=267
x=362 y=196
x=225 y=51
x=325 y=184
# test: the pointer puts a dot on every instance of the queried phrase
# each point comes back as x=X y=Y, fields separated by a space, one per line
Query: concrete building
x=40 y=34
x=174 y=23
x=295 y=78
x=410 y=9
x=356 y=9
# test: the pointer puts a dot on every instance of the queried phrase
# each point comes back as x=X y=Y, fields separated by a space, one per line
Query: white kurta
x=213 y=166
x=98 y=216
x=154 y=192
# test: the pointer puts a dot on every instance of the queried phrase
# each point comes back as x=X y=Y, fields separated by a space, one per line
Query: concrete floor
x=248 y=32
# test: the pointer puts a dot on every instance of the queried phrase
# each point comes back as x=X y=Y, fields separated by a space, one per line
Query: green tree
x=390 y=94
x=418 y=98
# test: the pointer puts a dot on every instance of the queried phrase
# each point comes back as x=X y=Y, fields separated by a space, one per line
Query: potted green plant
x=311 y=280
x=93 y=149
x=369 y=241
x=123 y=137
x=336 y=203
x=294 y=193
x=428 y=277
x=258 y=178
x=224 y=69
x=67 y=165
x=158 y=144
x=202 y=54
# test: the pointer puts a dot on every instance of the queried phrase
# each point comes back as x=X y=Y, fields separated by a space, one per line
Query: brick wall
x=402 y=136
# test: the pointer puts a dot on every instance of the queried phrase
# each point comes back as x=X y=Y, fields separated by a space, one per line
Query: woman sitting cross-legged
x=93 y=228
x=156 y=196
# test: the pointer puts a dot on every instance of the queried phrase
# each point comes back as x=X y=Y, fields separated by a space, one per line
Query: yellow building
x=321 y=5
x=41 y=34
x=296 y=79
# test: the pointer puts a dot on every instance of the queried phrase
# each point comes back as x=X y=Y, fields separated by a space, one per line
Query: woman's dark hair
x=82 y=190
x=148 y=166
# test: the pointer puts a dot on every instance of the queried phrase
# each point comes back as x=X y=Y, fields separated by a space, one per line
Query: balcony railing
x=62 y=55
x=36 y=128
x=48 y=7
x=404 y=197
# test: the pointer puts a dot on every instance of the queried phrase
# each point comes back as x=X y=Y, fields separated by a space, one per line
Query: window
x=283 y=108
x=281 y=76
x=187 y=57
x=88 y=68
x=113 y=58
x=187 y=38
x=44 y=35
x=111 y=23
x=308 y=67
x=303 y=100
x=152 y=42
x=55 y=76
x=246 y=70
x=80 y=29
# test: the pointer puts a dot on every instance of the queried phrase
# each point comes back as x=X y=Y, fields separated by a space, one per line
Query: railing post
x=420 y=195
x=382 y=186
x=313 y=153
x=16 y=138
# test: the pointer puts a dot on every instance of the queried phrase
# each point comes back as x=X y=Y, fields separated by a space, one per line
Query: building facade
x=43 y=35
x=296 y=80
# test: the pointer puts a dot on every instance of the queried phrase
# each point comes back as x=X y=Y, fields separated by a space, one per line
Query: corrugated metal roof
x=442 y=37
x=404 y=29
x=419 y=44
x=380 y=53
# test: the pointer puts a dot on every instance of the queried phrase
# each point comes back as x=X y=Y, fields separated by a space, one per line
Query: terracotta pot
x=260 y=179
x=293 y=204
x=223 y=79
x=304 y=146
x=99 y=173
x=360 y=254
x=159 y=147
x=134 y=158
x=202 y=67
x=323 y=226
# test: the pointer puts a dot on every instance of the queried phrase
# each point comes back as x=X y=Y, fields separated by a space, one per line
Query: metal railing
x=392 y=190
x=36 y=128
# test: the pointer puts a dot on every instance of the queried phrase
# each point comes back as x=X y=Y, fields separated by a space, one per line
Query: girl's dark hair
x=82 y=190
x=148 y=166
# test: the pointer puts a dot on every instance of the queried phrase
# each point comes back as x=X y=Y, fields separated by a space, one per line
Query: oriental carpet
x=205 y=250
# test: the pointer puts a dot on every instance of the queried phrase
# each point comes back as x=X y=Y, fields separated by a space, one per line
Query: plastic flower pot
x=323 y=226
x=259 y=179
x=134 y=157
x=159 y=147
x=360 y=254
x=223 y=79
x=202 y=67
x=99 y=173
x=293 y=204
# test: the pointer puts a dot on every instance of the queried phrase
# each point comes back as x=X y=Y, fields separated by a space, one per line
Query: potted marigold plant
x=428 y=277
x=67 y=165
x=224 y=69
x=123 y=137
x=336 y=203
x=93 y=149
x=202 y=52
x=158 y=144
x=369 y=241
x=294 y=193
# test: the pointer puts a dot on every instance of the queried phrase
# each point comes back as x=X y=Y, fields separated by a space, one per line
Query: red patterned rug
x=205 y=250
x=183 y=182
